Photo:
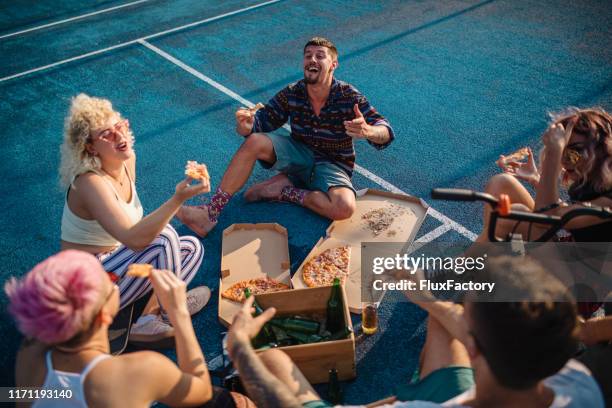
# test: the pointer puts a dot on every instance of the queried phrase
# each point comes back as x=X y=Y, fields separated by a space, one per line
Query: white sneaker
x=197 y=298
x=150 y=329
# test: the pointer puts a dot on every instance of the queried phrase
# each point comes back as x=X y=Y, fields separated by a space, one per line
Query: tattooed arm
x=262 y=386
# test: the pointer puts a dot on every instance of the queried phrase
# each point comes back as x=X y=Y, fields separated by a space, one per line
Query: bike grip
x=455 y=194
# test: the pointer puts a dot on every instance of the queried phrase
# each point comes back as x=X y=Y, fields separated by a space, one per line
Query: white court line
x=197 y=74
x=368 y=174
x=89 y=54
x=125 y=44
x=435 y=233
x=71 y=19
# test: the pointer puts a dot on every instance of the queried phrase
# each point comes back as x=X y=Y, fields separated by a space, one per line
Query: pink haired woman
x=64 y=307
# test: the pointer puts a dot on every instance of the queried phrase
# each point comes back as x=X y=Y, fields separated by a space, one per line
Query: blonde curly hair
x=86 y=113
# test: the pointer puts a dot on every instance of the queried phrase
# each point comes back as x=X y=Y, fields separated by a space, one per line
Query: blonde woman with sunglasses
x=577 y=155
x=104 y=217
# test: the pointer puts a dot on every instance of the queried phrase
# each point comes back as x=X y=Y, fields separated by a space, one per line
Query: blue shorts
x=297 y=161
x=439 y=386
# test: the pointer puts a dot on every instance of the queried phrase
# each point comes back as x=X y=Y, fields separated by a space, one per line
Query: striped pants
x=181 y=255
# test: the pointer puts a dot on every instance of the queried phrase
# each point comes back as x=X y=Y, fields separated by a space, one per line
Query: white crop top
x=89 y=232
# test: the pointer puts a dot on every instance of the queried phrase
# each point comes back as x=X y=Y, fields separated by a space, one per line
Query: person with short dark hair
x=514 y=354
x=315 y=163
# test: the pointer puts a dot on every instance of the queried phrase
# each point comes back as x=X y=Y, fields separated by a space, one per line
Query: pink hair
x=58 y=298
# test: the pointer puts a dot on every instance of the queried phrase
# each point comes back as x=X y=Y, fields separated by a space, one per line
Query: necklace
x=119 y=180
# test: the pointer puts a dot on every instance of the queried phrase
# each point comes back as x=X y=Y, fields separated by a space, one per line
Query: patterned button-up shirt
x=325 y=134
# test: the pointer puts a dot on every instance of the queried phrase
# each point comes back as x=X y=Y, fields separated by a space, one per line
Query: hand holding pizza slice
x=525 y=170
x=197 y=171
x=515 y=157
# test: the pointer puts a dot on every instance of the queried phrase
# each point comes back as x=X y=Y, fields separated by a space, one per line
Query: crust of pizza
x=139 y=270
x=257 y=286
x=196 y=171
x=323 y=268
x=519 y=155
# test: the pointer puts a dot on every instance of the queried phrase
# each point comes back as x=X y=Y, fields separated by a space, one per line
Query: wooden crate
x=353 y=232
x=315 y=359
x=250 y=251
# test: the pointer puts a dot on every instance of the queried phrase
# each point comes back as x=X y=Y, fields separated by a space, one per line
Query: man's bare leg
x=257 y=146
x=441 y=350
x=337 y=204
x=283 y=368
x=268 y=190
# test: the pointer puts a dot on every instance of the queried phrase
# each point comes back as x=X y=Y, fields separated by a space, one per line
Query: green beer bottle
x=265 y=335
x=334 y=390
x=335 y=312
x=303 y=338
x=296 y=324
x=340 y=335
x=281 y=336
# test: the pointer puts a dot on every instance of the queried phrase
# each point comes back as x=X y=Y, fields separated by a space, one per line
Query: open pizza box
x=406 y=214
x=315 y=359
x=251 y=251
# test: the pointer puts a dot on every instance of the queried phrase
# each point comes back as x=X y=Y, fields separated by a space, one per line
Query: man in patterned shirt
x=315 y=163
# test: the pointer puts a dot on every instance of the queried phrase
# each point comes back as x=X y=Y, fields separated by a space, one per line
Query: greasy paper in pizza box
x=250 y=251
x=408 y=214
x=404 y=214
x=315 y=359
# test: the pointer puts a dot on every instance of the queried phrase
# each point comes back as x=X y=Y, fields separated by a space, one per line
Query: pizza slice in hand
x=518 y=156
x=139 y=270
x=196 y=171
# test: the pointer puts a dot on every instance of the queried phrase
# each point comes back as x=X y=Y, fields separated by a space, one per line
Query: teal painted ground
x=460 y=81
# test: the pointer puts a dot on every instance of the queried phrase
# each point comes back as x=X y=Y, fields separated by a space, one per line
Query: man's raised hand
x=245 y=118
x=245 y=326
x=357 y=128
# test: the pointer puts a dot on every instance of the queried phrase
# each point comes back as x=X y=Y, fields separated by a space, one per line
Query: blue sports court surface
x=461 y=82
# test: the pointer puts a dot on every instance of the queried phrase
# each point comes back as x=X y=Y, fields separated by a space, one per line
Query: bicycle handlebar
x=557 y=222
x=457 y=194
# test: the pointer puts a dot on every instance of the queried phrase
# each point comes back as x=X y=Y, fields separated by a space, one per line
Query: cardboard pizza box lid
x=408 y=215
x=251 y=251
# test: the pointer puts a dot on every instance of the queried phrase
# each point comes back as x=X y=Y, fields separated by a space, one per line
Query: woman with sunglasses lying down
x=103 y=215
x=577 y=154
